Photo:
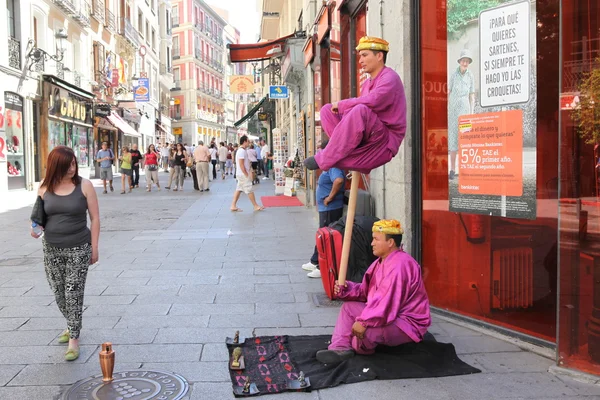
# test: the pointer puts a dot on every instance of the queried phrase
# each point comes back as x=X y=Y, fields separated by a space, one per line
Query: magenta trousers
x=343 y=339
x=358 y=140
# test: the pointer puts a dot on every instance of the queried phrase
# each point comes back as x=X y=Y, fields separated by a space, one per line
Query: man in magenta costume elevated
x=365 y=132
x=390 y=307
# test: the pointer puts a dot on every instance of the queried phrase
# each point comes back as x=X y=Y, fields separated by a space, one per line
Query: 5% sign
x=469 y=158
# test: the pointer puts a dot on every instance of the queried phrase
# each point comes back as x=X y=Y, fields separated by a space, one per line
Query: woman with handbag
x=151 y=167
x=179 y=162
x=70 y=247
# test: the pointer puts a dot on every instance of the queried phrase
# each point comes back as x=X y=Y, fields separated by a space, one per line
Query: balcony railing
x=82 y=15
x=14 y=53
x=98 y=11
x=128 y=31
x=199 y=25
x=176 y=85
x=198 y=54
x=68 y=6
x=175 y=20
x=60 y=70
x=77 y=79
x=176 y=52
x=110 y=21
x=166 y=69
x=39 y=65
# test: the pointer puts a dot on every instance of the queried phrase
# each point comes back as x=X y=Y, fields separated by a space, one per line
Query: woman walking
x=126 y=169
x=179 y=161
x=171 y=158
x=213 y=159
x=151 y=167
x=68 y=244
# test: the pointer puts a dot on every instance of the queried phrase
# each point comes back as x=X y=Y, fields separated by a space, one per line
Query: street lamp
x=172 y=102
x=134 y=80
x=36 y=54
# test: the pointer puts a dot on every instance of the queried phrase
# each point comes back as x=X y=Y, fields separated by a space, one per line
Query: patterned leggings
x=66 y=271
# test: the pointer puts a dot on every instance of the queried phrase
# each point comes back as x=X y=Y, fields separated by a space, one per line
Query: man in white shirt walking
x=164 y=156
x=264 y=154
x=244 y=177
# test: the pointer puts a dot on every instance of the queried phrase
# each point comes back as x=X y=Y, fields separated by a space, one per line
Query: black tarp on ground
x=272 y=360
x=361 y=252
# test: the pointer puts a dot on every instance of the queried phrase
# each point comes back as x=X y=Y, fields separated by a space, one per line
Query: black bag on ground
x=38 y=214
x=194 y=177
x=361 y=253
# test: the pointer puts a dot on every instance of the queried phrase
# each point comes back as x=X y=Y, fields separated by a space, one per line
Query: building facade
x=500 y=201
x=198 y=72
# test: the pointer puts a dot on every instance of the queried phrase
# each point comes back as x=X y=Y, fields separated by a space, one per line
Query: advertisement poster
x=240 y=84
x=2 y=132
x=492 y=107
x=141 y=94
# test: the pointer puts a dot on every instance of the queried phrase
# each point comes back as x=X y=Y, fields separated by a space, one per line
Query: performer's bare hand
x=336 y=288
x=358 y=330
x=327 y=200
x=334 y=107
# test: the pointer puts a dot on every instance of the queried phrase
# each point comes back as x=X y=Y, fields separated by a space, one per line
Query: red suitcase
x=329 y=247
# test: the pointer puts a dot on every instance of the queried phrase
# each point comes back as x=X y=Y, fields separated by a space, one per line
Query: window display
x=56 y=134
x=15 y=148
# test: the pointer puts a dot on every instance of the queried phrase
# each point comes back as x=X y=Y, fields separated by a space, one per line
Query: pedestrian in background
x=202 y=158
x=223 y=152
x=164 y=156
x=214 y=153
x=171 y=168
x=106 y=157
x=244 y=177
x=229 y=164
x=251 y=152
x=136 y=157
x=235 y=167
x=265 y=153
x=179 y=162
x=126 y=170
x=330 y=203
x=68 y=244
x=151 y=167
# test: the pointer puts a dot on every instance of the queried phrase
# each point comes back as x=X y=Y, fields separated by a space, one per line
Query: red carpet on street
x=280 y=201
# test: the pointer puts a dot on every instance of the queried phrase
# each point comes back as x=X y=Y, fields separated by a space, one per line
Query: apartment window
x=153 y=6
x=175 y=15
x=154 y=83
x=10 y=13
x=147 y=32
x=169 y=57
x=141 y=23
x=196 y=13
x=153 y=40
x=176 y=46
x=176 y=77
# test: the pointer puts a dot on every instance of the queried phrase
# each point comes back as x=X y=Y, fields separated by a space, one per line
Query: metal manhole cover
x=130 y=385
x=321 y=300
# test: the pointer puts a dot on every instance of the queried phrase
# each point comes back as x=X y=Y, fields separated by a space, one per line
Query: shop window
x=579 y=186
x=490 y=252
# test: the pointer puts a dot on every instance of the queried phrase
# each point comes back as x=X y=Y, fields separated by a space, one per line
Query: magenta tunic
x=396 y=305
x=368 y=130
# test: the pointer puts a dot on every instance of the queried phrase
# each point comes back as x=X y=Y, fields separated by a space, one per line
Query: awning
x=123 y=126
x=251 y=112
x=161 y=127
x=257 y=51
x=68 y=86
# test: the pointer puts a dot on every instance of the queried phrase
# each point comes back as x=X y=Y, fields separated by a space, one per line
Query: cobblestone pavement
x=171 y=284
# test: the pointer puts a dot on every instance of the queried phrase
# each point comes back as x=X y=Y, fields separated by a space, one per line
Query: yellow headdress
x=373 y=43
x=388 y=226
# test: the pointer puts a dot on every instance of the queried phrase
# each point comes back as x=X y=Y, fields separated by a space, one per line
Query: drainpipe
x=383 y=189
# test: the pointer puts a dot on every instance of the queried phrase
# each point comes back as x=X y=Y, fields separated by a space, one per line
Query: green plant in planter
x=587 y=115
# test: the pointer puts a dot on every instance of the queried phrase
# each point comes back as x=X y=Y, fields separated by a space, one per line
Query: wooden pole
x=349 y=226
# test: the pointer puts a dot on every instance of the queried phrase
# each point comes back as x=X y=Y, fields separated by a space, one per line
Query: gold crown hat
x=388 y=226
x=373 y=43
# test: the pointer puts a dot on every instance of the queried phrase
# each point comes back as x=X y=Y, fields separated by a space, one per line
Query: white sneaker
x=265 y=178
x=309 y=266
x=314 y=274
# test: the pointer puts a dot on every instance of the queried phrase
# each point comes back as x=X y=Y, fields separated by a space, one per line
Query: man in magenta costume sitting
x=365 y=132
x=390 y=307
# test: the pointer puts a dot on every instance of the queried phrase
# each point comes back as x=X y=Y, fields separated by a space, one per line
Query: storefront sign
x=239 y=84
x=505 y=54
x=141 y=94
x=206 y=116
x=102 y=110
x=323 y=24
x=491 y=136
x=177 y=131
x=263 y=116
x=67 y=105
x=278 y=92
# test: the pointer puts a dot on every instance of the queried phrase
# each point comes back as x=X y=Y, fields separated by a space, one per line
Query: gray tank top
x=66 y=225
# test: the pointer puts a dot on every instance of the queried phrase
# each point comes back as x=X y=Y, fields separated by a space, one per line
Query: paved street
x=171 y=284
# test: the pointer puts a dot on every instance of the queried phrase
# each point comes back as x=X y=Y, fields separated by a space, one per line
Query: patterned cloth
x=461 y=86
x=66 y=271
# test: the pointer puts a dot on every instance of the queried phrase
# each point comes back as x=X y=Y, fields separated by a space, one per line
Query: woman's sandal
x=64 y=337
x=72 y=354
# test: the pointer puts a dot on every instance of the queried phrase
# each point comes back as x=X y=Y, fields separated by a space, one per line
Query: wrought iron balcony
x=176 y=85
x=77 y=79
x=82 y=15
x=175 y=20
x=14 y=53
x=110 y=21
x=128 y=31
x=67 y=6
x=199 y=25
x=98 y=11
x=198 y=54
x=60 y=70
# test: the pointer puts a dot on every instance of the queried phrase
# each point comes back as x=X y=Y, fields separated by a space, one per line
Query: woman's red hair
x=59 y=162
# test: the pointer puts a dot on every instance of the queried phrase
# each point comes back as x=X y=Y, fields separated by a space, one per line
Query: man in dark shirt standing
x=136 y=157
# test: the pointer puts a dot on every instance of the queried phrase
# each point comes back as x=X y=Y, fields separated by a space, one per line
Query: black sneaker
x=334 y=356
x=451 y=175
